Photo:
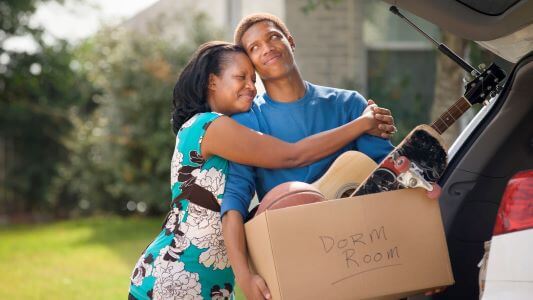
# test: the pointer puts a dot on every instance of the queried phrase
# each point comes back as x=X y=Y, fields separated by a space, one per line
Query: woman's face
x=233 y=90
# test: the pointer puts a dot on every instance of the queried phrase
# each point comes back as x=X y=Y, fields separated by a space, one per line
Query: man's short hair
x=252 y=19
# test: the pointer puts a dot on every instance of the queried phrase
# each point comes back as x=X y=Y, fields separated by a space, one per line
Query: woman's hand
x=380 y=120
x=254 y=288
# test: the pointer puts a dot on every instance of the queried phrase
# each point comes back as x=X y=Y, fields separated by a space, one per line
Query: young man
x=291 y=109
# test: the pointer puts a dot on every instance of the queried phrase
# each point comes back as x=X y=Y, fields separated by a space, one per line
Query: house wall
x=329 y=43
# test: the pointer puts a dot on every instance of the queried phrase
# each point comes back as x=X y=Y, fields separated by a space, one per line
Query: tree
x=119 y=156
x=15 y=17
x=38 y=89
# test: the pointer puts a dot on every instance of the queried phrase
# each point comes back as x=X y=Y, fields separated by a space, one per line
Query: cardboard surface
x=386 y=244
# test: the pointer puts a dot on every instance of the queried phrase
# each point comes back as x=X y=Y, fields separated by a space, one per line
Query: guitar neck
x=451 y=115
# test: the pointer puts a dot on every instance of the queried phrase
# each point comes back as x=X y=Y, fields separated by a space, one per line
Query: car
x=504 y=272
x=496 y=145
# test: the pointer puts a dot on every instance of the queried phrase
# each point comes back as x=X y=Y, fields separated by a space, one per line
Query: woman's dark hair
x=190 y=91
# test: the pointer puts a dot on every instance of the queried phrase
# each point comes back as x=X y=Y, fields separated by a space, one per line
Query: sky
x=78 y=19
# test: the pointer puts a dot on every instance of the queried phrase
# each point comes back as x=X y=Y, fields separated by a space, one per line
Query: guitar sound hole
x=347 y=193
x=346 y=190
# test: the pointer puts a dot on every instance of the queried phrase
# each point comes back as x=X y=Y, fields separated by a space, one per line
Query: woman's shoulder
x=200 y=119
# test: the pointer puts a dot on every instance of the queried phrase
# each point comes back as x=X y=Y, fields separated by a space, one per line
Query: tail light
x=516 y=208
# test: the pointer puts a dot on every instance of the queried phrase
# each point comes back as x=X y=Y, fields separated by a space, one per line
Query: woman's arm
x=230 y=140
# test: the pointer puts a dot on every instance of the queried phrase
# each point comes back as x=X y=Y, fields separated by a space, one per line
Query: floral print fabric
x=188 y=259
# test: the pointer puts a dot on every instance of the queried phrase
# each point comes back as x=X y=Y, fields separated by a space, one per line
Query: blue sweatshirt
x=320 y=109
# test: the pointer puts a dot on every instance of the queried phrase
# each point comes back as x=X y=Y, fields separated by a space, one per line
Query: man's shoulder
x=250 y=117
x=244 y=118
x=342 y=95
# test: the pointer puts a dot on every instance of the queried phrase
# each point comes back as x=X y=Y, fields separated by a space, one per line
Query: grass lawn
x=80 y=259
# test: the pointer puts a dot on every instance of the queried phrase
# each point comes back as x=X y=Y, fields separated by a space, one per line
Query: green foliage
x=119 y=156
x=87 y=129
x=37 y=90
x=15 y=16
x=34 y=116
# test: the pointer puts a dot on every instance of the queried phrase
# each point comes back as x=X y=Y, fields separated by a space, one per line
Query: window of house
x=401 y=64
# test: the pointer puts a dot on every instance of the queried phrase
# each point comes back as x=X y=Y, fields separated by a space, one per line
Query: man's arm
x=240 y=188
x=253 y=286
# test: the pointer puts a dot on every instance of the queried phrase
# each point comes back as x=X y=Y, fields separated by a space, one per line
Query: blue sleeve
x=374 y=147
x=239 y=190
x=240 y=182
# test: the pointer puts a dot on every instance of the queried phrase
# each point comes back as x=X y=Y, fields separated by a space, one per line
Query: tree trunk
x=448 y=84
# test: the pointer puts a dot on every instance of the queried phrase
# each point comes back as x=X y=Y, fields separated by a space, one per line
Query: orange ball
x=290 y=193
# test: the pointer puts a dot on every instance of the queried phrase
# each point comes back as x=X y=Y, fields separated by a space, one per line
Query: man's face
x=270 y=51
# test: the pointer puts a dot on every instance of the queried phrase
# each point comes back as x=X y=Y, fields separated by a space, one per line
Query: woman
x=188 y=260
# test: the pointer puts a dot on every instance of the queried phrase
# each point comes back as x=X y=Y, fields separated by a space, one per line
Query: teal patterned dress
x=188 y=259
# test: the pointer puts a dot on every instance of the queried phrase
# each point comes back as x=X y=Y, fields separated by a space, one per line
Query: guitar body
x=418 y=161
x=346 y=173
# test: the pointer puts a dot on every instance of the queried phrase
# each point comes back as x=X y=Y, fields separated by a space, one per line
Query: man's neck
x=287 y=89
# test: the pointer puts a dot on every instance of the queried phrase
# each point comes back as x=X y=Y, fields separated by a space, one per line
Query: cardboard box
x=381 y=245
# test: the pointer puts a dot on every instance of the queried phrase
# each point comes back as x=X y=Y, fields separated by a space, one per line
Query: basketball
x=290 y=193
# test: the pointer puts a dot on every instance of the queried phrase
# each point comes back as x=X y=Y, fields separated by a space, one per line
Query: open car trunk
x=500 y=146
x=498 y=142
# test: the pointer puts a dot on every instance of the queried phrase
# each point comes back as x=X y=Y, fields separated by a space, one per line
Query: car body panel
x=509 y=270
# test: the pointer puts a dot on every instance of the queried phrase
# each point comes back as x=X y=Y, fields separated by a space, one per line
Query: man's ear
x=212 y=84
x=291 y=42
